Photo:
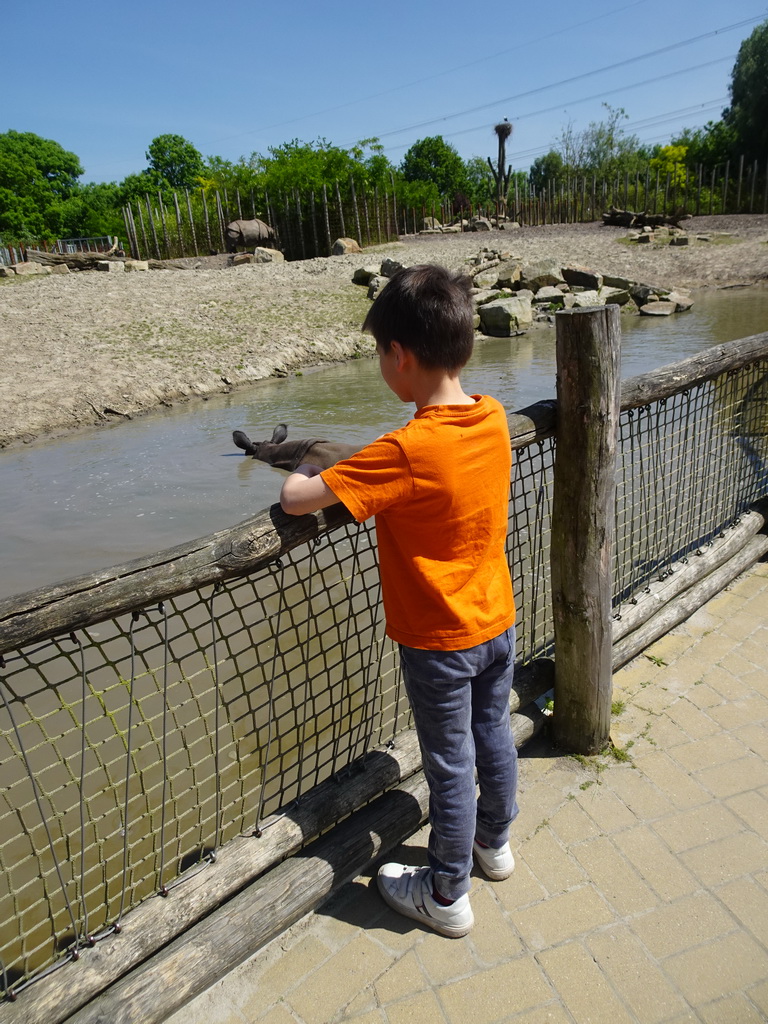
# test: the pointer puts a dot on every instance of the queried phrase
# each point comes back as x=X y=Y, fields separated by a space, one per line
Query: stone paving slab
x=641 y=888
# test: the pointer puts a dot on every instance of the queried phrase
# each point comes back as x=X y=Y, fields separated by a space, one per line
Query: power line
x=418 y=81
x=587 y=99
x=571 y=80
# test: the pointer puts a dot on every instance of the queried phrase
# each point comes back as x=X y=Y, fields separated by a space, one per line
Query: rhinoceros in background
x=247 y=234
x=290 y=454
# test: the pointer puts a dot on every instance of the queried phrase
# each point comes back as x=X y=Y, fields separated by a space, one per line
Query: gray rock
x=132 y=266
x=503 y=316
x=479 y=224
x=263 y=255
x=111 y=266
x=643 y=293
x=31 y=269
x=508 y=274
x=583 y=276
x=537 y=275
x=660 y=308
x=9 y=271
x=679 y=240
x=682 y=302
x=376 y=285
x=618 y=282
x=614 y=296
x=644 y=237
x=363 y=275
x=343 y=246
x=487 y=278
x=586 y=299
x=431 y=224
x=549 y=294
x=389 y=267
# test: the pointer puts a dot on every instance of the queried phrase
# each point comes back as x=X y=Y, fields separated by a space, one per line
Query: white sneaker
x=496 y=864
x=408 y=890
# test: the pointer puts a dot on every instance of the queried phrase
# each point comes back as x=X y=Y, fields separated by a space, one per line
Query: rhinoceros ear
x=243 y=441
x=280 y=433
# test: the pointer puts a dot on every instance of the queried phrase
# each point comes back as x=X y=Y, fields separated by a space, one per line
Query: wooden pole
x=143 y=229
x=313 y=215
x=738 y=189
x=356 y=210
x=192 y=223
x=220 y=214
x=300 y=221
x=752 y=192
x=177 y=212
x=152 y=226
x=207 y=221
x=712 y=191
x=166 y=239
x=588 y=394
x=377 y=208
x=725 y=186
x=132 y=242
x=367 y=219
x=341 y=210
x=326 y=219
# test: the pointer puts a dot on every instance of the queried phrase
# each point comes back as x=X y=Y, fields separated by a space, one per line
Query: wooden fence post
x=326 y=221
x=588 y=406
x=191 y=223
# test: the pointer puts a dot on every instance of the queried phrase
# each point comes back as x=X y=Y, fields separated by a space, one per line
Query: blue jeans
x=460 y=704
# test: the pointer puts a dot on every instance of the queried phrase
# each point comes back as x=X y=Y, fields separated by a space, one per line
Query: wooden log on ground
x=689 y=601
x=73 y=260
x=628 y=218
x=158 y=938
x=631 y=616
x=588 y=356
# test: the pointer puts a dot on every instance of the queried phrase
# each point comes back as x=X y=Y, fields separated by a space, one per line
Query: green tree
x=748 y=112
x=545 y=169
x=37 y=176
x=602 y=148
x=434 y=161
x=94 y=209
x=481 y=186
x=176 y=160
x=713 y=144
x=671 y=160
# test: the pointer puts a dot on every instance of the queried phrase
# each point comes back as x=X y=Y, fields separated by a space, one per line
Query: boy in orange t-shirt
x=439 y=488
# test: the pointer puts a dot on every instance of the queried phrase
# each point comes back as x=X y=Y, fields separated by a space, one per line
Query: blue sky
x=104 y=78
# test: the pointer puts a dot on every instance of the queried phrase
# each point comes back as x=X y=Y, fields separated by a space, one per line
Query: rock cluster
x=510 y=295
x=665 y=234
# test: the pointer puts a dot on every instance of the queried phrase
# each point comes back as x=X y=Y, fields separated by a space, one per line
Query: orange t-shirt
x=439 y=488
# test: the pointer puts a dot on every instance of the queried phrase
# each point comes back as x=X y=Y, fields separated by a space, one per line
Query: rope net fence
x=132 y=750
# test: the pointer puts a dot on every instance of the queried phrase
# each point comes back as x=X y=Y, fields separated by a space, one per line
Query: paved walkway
x=641 y=887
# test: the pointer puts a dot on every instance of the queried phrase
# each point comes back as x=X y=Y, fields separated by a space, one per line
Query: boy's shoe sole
x=408 y=890
x=496 y=864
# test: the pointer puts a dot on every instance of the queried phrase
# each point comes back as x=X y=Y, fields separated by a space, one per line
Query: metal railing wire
x=134 y=748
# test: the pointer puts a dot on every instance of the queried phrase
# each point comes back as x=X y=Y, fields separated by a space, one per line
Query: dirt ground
x=91 y=347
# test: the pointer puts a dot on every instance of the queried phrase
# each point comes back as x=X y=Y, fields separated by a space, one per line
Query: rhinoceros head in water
x=289 y=454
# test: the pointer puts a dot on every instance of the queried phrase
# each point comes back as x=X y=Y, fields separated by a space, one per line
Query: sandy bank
x=88 y=348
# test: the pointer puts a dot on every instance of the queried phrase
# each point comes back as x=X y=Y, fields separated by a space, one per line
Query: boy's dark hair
x=427 y=309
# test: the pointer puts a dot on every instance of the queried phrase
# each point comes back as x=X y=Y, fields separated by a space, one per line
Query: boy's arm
x=305 y=491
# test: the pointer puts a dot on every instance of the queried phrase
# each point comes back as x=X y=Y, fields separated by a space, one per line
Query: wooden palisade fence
x=168 y=950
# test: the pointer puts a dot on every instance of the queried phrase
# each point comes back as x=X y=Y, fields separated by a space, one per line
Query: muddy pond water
x=107 y=495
